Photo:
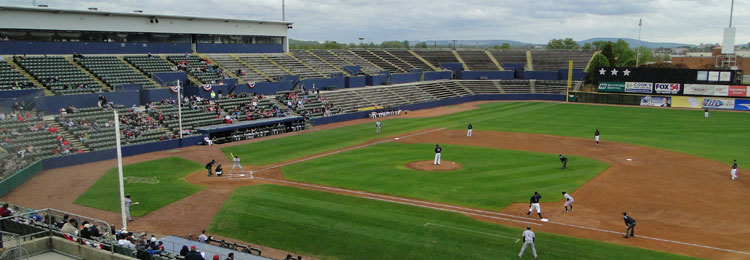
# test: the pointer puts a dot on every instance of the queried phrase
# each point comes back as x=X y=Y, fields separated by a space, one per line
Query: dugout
x=252 y=129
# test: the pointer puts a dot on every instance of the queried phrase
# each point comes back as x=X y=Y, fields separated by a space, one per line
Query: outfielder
x=528 y=240
x=534 y=204
x=377 y=127
x=734 y=170
x=596 y=136
x=468 y=133
x=568 y=201
x=437 y=154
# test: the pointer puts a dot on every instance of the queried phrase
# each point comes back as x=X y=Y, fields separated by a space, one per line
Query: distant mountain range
x=634 y=43
x=469 y=42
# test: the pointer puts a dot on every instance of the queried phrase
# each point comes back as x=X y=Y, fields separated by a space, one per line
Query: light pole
x=454 y=45
x=283 y=11
x=361 y=41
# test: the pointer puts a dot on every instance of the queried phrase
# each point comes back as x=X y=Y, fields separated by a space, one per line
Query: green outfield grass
x=489 y=178
x=721 y=137
x=170 y=173
x=332 y=226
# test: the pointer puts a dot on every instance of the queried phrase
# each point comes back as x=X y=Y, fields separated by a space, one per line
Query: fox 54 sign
x=718 y=103
x=667 y=88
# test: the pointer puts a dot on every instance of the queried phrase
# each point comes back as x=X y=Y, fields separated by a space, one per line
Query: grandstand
x=377 y=60
x=477 y=60
x=198 y=68
x=59 y=75
x=438 y=56
x=150 y=64
x=264 y=65
x=11 y=78
x=113 y=71
x=408 y=57
x=318 y=64
x=510 y=56
x=239 y=69
x=554 y=60
x=294 y=66
x=366 y=66
x=390 y=58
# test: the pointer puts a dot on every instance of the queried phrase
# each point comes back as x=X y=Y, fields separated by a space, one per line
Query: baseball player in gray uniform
x=236 y=164
x=568 y=201
x=734 y=170
x=528 y=240
x=128 y=202
x=377 y=127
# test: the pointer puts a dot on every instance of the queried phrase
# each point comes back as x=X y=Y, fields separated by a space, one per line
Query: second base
x=545 y=220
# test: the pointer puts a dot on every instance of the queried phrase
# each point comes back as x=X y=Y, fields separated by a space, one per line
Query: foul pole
x=119 y=171
x=638 y=51
x=179 y=108
x=570 y=80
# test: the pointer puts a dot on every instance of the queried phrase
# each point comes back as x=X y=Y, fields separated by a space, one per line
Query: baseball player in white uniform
x=236 y=163
x=568 y=201
x=528 y=240
x=438 y=150
x=734 y=170
x=468 y=133
x=128 y=202
x=377 y=127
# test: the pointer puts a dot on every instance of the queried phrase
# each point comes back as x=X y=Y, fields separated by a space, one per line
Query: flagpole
x=638 y=51
x=119 y=171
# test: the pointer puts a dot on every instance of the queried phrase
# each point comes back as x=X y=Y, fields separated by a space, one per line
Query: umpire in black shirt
x=630 y=224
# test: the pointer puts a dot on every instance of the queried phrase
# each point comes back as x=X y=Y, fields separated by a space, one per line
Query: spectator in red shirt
x=54 y=150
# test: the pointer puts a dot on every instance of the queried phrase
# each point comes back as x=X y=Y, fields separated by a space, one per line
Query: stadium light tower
x=454 y=44
x=361 y=41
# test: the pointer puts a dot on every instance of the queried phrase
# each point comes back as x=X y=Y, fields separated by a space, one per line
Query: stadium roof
x=134 y=14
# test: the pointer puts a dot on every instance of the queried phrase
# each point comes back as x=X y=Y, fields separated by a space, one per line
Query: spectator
x=203 y=238
x=184 y=251
x=230 y=256
x=63 y=221
x=124 y=242
x=70 y=227
x=5 y=211
x=194 y=254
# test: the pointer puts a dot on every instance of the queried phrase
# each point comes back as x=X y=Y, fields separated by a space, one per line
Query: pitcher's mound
x=428 y=166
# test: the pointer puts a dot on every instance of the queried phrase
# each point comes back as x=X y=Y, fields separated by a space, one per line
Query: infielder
x=468 y=133
x=534 y=204
x=568 y=201
x=437 y=154
x=734 y=170
x=564 y=161
x=236 y=164
x=377 y=127
x=705 y=113
x=528 y=240
x=596 y=136
x=630 y=224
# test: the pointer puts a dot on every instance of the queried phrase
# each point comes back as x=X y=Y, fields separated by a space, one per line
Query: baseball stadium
x=154 y=136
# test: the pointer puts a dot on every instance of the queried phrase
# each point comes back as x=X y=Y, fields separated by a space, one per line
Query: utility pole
x=454 y=45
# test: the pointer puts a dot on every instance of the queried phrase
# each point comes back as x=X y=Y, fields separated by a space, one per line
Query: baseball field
x=342 y=191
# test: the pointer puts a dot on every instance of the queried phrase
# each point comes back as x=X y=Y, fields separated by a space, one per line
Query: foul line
x=486 y=214
x=472 y=231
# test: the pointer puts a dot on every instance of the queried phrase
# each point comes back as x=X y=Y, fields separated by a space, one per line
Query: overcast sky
x=683 y=21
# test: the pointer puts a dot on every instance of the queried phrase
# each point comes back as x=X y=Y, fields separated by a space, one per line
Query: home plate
x=242 y=175
x=628 y=159
x=545 y=220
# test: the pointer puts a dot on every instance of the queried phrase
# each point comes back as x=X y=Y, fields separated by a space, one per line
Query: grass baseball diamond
x=369 y=168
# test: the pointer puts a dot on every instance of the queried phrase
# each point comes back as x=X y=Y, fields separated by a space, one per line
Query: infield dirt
x=673 y=196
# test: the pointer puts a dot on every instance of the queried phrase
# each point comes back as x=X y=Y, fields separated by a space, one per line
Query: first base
x=545 y=220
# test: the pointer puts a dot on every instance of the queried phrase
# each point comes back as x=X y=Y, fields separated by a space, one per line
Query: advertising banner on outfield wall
x=667 y=88
x=611 y=87
x=651 y=101
x=718 y=103
x=739 y=91
x=639 y=87
x=742 y=104
x=688 y=102
x=699 y=89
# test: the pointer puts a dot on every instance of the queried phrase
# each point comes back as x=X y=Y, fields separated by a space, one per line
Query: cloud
x=687 y=21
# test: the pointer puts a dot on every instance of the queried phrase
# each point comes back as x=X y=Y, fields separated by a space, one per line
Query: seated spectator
x=62 y=223
x=124 y=242
x=184 y=251
x=193 y=254
x=203 y=238
x=70 y=228
x=207 y=141
x=5 y=211
x=94 y=231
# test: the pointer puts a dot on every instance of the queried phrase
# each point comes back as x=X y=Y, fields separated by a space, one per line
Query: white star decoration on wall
x=614 y=72
x=626 y=72
x=602 y=71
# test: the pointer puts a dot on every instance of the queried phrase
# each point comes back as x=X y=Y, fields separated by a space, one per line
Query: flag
x=640 y=22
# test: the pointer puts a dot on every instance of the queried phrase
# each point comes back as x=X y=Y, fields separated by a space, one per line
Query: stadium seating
x=407 y=56
x=234 y=65
x=101 y=136
x=331 y=58
x=11 y=78
x=365 y=65
x=369 y=56
x=198 y=68
x=553 y=60
x=477 y=60
x=59 y=75
x=510 y=56
x=149 y=65
x=294 y=66
x=436 y=57
x=307 y=104
x=17 y=135
x=315 y=62
x=113 y=71
x=347 y=100
x=393 y=60
x=482 y=87
x=263 y=65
